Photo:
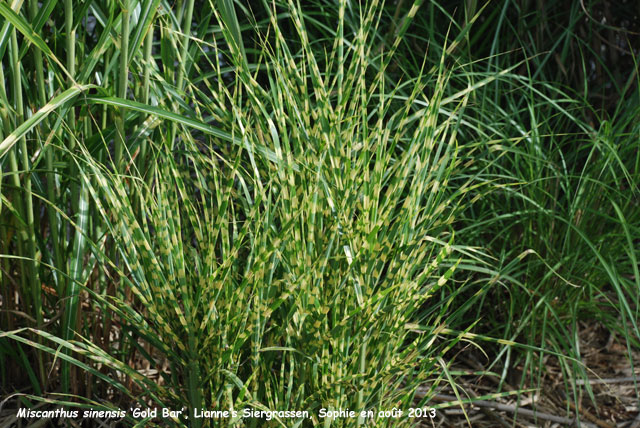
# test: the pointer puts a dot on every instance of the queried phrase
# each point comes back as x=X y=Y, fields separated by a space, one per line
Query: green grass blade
x=55 y=103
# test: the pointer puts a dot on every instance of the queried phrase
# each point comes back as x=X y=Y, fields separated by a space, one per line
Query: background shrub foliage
x=269 y=205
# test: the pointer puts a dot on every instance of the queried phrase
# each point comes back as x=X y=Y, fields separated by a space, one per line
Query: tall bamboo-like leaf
x=55 y=103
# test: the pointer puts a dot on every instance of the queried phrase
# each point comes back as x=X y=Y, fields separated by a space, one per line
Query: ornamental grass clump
x=274 y=248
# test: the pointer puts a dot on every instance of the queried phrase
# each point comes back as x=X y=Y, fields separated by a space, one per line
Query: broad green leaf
x=57 y=102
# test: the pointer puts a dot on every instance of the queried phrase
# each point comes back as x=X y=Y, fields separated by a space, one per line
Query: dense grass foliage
x=211 y=205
